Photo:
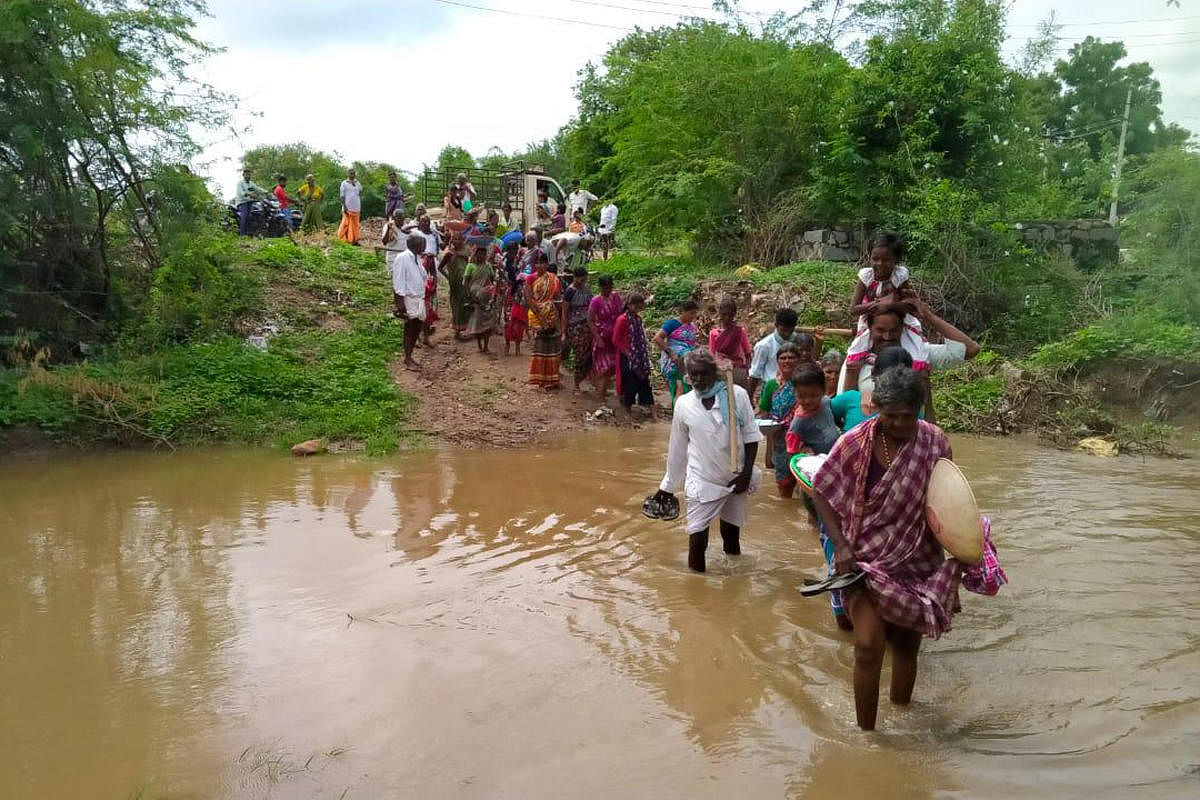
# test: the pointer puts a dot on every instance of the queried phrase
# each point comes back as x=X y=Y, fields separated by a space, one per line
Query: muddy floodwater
x=508 y=625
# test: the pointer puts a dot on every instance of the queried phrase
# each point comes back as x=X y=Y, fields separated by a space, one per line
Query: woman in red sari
x=602 y=314
x=544 y=295
x=870 y=495
x=730 y=342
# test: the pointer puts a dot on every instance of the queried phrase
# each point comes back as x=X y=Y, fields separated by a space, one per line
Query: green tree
x=701 y=126
x=95 y=100
x=1092 y=101
x=294 y=161
x=1163 y=229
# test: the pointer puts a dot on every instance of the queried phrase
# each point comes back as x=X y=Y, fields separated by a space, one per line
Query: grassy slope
x=324 y=375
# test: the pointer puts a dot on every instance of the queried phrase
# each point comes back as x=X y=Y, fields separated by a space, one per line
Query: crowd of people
x=866 y=419
x=867 y=423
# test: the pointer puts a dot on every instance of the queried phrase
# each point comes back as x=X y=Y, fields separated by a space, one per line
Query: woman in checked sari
x=870 y=495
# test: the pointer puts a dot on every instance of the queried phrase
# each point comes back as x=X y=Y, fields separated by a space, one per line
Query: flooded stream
x=508 y=625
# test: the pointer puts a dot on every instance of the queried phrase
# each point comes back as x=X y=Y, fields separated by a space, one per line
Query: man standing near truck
x=579 y=198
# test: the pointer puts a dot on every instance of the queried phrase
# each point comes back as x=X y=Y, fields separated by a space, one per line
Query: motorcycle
x=266 y=218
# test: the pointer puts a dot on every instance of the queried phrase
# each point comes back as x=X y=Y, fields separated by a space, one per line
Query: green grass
x=1126 y=336
x=309 y=383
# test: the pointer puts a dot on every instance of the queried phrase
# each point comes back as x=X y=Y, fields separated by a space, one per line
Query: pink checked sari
x=911 y=582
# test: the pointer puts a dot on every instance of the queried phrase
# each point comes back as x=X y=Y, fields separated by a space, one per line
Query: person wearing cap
x=579 y=199
x=716 y=483
x=245 y=194
x=310 y=196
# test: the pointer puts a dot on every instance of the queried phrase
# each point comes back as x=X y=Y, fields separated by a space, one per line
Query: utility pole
x=1112 y=210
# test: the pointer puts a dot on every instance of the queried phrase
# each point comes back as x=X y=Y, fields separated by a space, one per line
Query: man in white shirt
x=351 y=194
x=762 y=364
x=408 y=294
x=698 y=458
x=243 y=198
x=957 y=347
x=608 y=225
x=579 y=198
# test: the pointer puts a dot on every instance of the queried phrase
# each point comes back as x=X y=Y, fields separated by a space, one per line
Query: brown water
x=481 y=625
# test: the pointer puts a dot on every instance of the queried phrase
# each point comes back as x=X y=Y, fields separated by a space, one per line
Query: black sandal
x=843 y=581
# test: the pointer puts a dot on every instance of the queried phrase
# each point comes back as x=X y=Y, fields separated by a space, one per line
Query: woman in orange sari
x=544 y=293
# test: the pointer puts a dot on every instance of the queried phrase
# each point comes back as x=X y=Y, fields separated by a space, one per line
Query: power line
x=1122 y=36
x=534 y=16
x=1140 y=45
x=1111 y=22
x=676 y=5
x=675 y=14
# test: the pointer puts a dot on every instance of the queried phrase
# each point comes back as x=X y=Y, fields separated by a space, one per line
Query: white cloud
x=395 y=81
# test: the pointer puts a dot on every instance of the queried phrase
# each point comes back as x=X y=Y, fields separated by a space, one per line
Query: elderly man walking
x=716 y=480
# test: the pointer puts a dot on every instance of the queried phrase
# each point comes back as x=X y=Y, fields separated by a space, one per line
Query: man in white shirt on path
x=408 y=294
x=351 y=194
x=579 y=198
x=698 y=458
x=608 y=225
x=762 y=364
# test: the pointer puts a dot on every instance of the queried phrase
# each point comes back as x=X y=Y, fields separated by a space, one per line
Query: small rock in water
x=1098 y=447
x=309 y=448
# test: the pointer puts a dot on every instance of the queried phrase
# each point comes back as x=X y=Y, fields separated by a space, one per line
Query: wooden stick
x=732 y=416
x=830 y=331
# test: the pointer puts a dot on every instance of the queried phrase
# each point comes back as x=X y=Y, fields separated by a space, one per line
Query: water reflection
x=246 y=625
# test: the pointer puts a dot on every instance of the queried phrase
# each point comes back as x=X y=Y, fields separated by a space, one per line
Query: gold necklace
x=887 y=451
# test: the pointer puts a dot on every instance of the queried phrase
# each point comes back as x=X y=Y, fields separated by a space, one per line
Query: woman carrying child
x=676 y=339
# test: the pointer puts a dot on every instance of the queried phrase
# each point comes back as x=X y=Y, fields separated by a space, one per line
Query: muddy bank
x=470 y=400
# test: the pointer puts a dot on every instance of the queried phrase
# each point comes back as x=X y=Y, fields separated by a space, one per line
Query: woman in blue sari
x=676 y=339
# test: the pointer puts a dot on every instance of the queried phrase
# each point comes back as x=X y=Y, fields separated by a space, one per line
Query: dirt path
x=471 y=400
x=467 y=399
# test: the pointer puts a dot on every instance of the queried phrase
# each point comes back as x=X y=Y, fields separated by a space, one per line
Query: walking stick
x=731 y=416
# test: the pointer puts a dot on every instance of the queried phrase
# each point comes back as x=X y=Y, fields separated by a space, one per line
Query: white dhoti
x=729 y=507
x=414 y=307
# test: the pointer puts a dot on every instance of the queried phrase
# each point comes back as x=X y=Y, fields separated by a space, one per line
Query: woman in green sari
x=481 y=288
x=453 y=266
x=310 y=198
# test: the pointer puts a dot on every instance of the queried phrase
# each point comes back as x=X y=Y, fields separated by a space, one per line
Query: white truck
x=516 y=183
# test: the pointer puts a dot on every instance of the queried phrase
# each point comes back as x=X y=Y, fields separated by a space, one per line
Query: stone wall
x=828 y=244
x=1089 y=242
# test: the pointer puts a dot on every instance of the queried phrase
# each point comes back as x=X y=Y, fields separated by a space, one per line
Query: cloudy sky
x=361 y=77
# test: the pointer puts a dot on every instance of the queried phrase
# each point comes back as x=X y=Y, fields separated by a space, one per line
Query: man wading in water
x=698 y=457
